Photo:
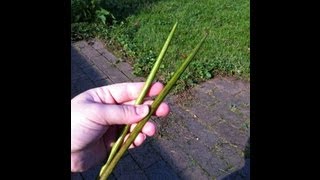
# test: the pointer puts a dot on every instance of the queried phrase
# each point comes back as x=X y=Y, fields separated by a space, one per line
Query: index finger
x=123 y=92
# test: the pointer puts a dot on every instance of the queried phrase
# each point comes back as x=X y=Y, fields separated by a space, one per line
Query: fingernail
x=142 y=110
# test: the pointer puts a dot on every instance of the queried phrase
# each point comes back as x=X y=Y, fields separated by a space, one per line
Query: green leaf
x=208 y=75
x=102 y=18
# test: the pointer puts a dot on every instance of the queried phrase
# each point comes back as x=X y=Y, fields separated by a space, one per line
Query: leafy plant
x=103 y=14
x=89 y=19
x=83 y=10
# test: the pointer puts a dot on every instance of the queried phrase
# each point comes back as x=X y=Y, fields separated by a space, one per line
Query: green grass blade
x=141 y=97
x=154 y=106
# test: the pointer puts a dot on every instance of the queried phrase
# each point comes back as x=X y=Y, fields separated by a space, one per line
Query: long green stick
x=141 y=97
x=105 y=174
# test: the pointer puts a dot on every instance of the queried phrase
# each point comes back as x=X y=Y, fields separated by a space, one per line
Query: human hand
x=96 y=115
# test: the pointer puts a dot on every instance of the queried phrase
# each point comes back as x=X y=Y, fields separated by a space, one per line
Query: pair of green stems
x=116 y=153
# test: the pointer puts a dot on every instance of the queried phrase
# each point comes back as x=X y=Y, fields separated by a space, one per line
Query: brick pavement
x=206 y=135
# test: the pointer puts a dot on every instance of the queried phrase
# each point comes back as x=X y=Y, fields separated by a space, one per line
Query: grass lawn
x=143 y=26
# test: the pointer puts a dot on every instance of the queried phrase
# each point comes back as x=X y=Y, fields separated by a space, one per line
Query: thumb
x=112 y=114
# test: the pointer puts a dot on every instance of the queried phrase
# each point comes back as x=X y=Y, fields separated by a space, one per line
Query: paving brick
x=114 y=74
x=93 y=73
x=231 y=109
x=232 y=134
x=112 y=177
x=186 y=142
x=243 y=99
x=100 y=61
x=160 y=170
x=194 y=172
x=244 y=85
x=80 y=60
x=127 y=168
x=240 y=174
x=92 y=173
x=126 y=69
x=81 y=85
x=97 y=45
x=201 y=132
x=89 y=52
x=88 y=177
x=139 y=79
x=233 y=156
x=207 y=115
x=178 y=160
x=206 y=159
x=109 y=56
x=74 y=53
x=225 y=86
x=76 y=57
x=103 y=50
x=237 y=121
x=149 y=157
x=76 y=176
x=76 y=72
x=200 y=96
x=80 y=44
x=103 y=82
x=168 y=127
x=136 y=175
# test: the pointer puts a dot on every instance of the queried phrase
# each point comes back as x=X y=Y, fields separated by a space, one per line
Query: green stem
x=141 y=97
x=105 y=174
